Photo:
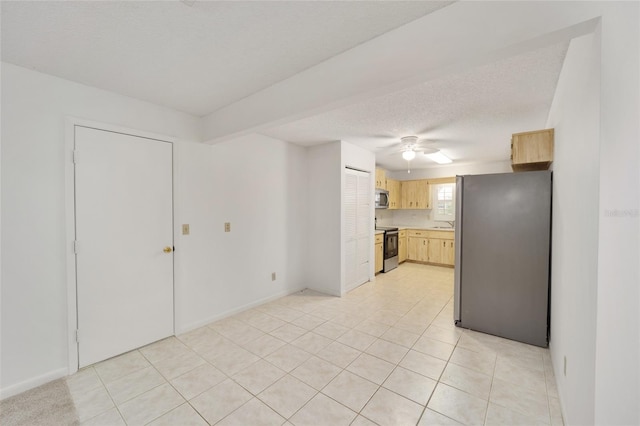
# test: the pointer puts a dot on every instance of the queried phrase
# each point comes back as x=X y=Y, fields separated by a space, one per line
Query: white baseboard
x=33 y=383
x=192 y=326
x=62 y=372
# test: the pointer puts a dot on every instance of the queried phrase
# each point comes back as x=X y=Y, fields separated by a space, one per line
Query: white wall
x=618 y=325
x=595 y=292
x=195 y=202
x=326 y=247
x=259 y=185
x=325 y=218
x=34 y=276
x=574 y=264
x=455 y=169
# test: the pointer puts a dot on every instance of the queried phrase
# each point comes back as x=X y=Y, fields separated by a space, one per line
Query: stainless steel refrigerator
x=502 y=264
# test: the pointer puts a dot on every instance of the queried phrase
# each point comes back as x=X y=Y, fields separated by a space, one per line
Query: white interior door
x=124 y=222
x=357 y=204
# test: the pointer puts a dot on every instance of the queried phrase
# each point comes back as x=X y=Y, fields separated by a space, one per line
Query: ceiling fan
x=410 y=146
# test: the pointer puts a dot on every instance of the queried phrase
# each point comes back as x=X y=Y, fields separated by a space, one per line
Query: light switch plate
x=185 y=229
x=227 y=227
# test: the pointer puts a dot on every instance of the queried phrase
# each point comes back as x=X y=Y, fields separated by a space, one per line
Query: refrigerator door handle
x=458 y=249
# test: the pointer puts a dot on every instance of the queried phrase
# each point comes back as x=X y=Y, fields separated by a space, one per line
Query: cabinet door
x=448 y=252
x=408 y=194
x=532 y=150
x=435 y=250
x=418 y=249
x=402 y=249
x=423 y=254
x=404 y=191
x=422 y=195
x=379 y=257
x=412 y=248
x=393 y=186
x=381 y=179
x=416 y=194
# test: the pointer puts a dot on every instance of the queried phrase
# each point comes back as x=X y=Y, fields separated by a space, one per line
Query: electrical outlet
x=273 y=276
x=565 y=366
x=227 y=227
x=185 y=229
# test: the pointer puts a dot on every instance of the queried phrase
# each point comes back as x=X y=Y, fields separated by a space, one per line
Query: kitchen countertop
x=422 y=228
x=419 y=228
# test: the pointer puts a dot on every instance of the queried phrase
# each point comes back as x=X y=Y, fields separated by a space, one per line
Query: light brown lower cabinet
x=448 y=252
x=434 y=254
x=379 y=265
x=422 y=248
x=441 y=251
x=402 y=246
x=418 y=249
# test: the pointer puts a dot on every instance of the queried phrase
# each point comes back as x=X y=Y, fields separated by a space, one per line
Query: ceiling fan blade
x=419 y=146
x=394 y=149
x=430 y=150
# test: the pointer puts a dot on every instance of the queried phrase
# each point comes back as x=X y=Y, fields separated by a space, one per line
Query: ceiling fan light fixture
x=439 y=158
x=409 y=154
x=409 y=140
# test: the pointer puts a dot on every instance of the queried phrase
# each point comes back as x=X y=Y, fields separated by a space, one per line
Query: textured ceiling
x=196 y=58
x=202 y=57
x=469 y=116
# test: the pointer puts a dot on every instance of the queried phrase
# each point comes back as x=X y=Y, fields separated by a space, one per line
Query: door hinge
x=77 y=336
x=75 y=246
x=75 y=156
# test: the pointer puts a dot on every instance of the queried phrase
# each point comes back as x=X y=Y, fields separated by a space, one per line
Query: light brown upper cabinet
x=416 y=194
x=532 y=150
x=395 y=196
x=381 y=179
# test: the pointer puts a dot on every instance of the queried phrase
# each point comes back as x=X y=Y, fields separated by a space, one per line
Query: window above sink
x=444 y=198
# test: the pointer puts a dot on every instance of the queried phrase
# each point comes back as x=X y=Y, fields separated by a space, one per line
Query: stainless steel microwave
x=382 y=199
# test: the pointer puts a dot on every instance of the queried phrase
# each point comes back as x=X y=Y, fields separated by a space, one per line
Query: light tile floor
x=386 y=354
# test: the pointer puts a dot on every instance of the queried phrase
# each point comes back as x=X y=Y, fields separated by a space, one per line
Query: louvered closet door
x=357 y=205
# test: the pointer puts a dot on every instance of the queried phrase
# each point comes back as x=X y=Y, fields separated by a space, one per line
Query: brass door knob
x=167 y=249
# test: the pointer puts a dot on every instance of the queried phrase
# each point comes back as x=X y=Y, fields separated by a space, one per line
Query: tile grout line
x=426 y=405
x=117 y=407
x=167 y=381
x=493 y=374
x=338 y=314
x=546 y=387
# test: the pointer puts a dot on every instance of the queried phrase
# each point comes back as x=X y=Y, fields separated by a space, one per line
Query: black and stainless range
x=390 y=247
